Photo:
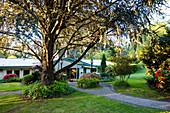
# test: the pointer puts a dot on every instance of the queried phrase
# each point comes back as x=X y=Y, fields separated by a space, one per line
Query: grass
x=139 y=87
x=76 y=102
x=11 y=86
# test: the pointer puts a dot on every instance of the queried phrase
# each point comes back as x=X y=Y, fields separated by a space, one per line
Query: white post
x=21 y=73
x=12 y=71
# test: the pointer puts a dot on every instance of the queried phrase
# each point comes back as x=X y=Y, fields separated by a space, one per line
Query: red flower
x=168 y=68
x=156 y=84
x=161 y=74
x=159 y=84
x=158 y=70
x=9 y=75
x=156 y=74
x=161 y=78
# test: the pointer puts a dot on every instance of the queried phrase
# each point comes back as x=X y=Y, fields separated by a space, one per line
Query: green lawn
x=76 y=102
x=11 y=86
x=139 y=87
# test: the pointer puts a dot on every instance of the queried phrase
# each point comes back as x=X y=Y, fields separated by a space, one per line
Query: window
x=17 y=72
x=26 y=72
x=9 y=71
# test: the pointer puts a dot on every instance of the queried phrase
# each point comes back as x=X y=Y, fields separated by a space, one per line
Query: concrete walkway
x=108 y=92
x=11 y=92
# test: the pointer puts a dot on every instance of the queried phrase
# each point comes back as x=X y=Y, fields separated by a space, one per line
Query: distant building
x=97 y=62
x=18 y=66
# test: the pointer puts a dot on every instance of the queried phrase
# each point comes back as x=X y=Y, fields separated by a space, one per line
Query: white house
x=23 y=67
x=18 y=66
x=97 y=62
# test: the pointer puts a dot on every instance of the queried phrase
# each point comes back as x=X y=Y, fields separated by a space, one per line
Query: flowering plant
x=161 y=78
x=7 y=76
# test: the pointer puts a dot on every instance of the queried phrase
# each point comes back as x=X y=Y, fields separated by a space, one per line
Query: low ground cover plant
x=107 y=79
x=37 y=91
x=121 y=84
x=88 y=83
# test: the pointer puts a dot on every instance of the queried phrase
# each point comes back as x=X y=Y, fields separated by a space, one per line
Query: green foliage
x=28 y=79
x=121 y=68
x=13 y=79
x=107 y=79
x=90 y=75
x=88 y=83
x=36 y=90
x=103 y=63
x=156 y=53
x=37 y=76
x=121 y=84
x=31 y=78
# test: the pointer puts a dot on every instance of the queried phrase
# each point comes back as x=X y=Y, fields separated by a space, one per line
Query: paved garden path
x=108 y=92
x=11 y=92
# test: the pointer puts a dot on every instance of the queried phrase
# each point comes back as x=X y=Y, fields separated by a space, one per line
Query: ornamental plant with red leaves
x=161 y=78
x=7 y=76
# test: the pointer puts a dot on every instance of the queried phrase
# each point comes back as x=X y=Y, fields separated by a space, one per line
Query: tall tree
x=103 y=63
x=48 y=28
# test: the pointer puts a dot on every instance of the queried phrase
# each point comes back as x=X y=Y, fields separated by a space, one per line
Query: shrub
x=122 y=84
x=160 y=79
x=122 y=67
x=88 y=83
x=13 y=79
x=37 y=91
x=28 y=79
x=107 y=79
x=90 y=75
x=7 y=76
x=31 y=78
x=37 y=76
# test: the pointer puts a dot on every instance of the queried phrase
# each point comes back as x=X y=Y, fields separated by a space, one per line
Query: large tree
x=49 y=28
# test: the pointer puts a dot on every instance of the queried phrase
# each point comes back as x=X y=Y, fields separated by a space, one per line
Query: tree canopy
x=50 y=28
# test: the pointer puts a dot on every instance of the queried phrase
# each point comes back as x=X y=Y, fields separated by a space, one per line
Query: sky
x=166 y=10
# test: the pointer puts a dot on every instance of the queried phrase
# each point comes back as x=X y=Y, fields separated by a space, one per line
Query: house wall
x=21 y=72
x=66 y=63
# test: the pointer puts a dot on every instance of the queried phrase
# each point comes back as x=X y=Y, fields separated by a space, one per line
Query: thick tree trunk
x=47 y=76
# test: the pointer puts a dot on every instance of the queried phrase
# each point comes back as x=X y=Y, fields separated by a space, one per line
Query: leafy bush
x=122 y=84
x=7 y=76
x=28 y=79
x=90 y=75
x=88 y=83
x=31 y=78
x=13 y=79
x=107 y=79
x=159 y=79
x=37 y=91
x=37 y=76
